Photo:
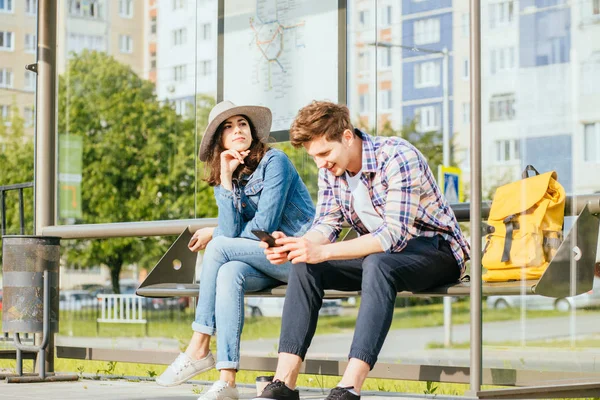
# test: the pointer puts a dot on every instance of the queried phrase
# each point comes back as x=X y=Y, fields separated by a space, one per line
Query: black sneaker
x=342 y=393
x=277 y=390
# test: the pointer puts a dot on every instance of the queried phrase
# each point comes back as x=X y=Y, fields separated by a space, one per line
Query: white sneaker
x=185 y=368
x=220 y=390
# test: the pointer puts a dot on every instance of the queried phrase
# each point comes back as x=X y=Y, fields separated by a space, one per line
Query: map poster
x=282 y=54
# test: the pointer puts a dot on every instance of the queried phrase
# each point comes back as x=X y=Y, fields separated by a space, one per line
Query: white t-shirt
x=361 y=200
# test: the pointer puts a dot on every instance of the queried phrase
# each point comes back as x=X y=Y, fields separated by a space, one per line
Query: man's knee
x=375 y=266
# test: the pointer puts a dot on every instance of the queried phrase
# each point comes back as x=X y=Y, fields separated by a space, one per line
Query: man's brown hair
x=320 y=118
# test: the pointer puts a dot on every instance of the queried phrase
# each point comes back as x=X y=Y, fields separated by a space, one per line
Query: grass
x=256 y=328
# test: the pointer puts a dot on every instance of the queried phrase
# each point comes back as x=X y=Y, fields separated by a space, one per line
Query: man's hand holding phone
x=272 y=251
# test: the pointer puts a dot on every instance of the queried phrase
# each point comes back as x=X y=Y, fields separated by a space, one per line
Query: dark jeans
x=424 y=263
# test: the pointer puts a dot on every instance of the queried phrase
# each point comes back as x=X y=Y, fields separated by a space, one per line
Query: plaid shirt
x=404 y=193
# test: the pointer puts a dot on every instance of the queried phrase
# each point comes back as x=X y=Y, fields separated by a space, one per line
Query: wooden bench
x=121 y=309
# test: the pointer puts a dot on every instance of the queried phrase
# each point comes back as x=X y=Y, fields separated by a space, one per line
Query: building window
x=428 y=118
x=85 y=8
x=363 y=103
x=125 y=44
x=30 y=43
x=30 y=79
x=427 y=31
x=363 y=61
x=7 y=41
x=179 y=73
x=179 y=36
x=502 y=107
x=76 y=43
x=5 y=112
x=153 y=25
x=181 y=107
x=6 y=78
x=206 y=32
x=6 y=6
x=386 y=99
x=178 y=4
x=363 y=18
x=595 y=7
x=385 y=57
x=126 y=8
x=508 y=150
x=427 y=74
x=466 y=24
x=29 y=116
x=502 y=59
x=591 y=142
x=465 y=73
x=31 y=6
x=153 y=60
x=206 y=67
x=466 y=113
x=501 y=13
x=386 y=16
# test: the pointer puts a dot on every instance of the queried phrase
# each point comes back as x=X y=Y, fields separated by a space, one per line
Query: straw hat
x=260 y=117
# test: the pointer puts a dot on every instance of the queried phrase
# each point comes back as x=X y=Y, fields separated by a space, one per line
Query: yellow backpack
x=524 y=227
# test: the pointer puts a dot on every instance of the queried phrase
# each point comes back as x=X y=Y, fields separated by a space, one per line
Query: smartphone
x=265 y=237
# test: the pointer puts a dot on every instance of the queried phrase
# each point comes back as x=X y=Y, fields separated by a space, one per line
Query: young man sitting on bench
x=409 y=240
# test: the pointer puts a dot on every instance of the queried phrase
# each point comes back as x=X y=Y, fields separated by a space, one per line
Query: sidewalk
x=141 y=390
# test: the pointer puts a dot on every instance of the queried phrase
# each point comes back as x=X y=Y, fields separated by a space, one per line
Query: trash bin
x=25 y=259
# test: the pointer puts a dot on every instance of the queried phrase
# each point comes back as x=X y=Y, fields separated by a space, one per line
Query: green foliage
x=109 y=369
x=430 y=388
x=16 y=158
x=138 y=159
x=428 y=143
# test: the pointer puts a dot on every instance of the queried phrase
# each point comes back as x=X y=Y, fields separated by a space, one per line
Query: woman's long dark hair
x=257 y=152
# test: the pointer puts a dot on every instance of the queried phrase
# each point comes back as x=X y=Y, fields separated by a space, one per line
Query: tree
x=138 y=159
x=429 y=143
x=16 y=158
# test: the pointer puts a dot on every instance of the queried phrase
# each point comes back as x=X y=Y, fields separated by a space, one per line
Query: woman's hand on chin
x=231 y=159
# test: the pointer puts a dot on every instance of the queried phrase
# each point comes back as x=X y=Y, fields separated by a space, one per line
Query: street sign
x=450 y=181
x=70 y=161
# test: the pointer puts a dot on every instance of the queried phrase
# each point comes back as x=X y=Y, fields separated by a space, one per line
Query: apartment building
x=18 y=44
x=186 y=42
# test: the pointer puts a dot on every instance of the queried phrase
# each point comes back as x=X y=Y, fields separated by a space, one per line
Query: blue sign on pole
x=449 y=179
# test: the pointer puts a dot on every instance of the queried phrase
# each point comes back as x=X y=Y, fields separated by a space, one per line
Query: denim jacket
x=272 y=198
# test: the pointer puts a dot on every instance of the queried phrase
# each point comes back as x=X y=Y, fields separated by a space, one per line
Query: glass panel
x=542 y=96
x=18 y=45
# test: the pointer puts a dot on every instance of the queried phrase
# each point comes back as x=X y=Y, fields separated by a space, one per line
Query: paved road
x=410 y=345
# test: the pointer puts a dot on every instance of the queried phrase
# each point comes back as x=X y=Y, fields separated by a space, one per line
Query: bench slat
x=458 y=289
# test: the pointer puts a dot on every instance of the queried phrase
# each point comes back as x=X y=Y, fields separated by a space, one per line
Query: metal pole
x=476 y=328
x=446 y=109
x=446 y=163
x=45 y=151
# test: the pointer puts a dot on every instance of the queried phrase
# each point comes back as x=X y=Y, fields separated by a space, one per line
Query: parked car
x=537 y=302
x=170 y=303
x=273 y=307
x=74 y=300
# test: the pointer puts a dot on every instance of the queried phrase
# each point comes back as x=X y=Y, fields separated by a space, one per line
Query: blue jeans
x=424 y=263
x=231 y=267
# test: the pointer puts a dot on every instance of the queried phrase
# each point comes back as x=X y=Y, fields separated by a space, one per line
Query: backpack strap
x=529 y=168
x=510 y=225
